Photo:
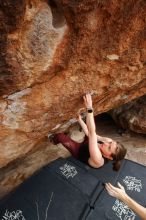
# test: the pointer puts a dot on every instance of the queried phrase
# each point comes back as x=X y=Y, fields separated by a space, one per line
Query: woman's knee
x=60 y=138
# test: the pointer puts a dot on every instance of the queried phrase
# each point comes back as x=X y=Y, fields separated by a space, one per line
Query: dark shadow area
x=105 y=118
x=58 y=19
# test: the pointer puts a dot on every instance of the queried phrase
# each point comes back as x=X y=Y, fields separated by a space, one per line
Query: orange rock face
x=52 y=52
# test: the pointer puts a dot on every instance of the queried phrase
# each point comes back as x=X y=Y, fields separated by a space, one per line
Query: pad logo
x=132 y=183
x=122 y=211
x=14 y=215
x=68 y=171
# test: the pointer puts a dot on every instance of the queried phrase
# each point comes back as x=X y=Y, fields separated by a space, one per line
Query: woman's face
x=108 y=148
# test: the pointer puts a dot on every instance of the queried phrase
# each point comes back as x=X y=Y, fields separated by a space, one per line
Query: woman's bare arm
x=83 y=125
x=137 y=208
x=104 y=139
x=85 y=130
x=120 y=194
x=96 y=160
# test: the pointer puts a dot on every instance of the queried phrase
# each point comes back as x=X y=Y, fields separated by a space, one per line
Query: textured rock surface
x=52 y=53
x=132 y=115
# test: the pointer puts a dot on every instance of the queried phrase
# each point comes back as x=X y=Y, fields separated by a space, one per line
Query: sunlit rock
x=53 y=52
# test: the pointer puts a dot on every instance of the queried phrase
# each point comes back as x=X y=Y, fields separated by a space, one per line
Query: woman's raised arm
x=96 y=160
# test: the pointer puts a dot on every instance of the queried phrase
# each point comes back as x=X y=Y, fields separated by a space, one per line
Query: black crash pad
x=44 y=197
x=104 y=173
x=131 y=175
x=79 y=178
x=67 y=189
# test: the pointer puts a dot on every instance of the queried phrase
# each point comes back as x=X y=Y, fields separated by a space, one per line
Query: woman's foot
x=51 y=138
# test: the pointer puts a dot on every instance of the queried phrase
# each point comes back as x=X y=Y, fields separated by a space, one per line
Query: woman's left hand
x=80 y=114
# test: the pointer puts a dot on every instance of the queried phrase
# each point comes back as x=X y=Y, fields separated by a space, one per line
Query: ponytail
x=119 y=156
x=116 y=165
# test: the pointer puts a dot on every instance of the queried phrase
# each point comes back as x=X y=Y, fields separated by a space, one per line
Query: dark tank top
x=84 y=151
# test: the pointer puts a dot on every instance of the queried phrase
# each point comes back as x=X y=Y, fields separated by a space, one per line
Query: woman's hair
x=118 y=156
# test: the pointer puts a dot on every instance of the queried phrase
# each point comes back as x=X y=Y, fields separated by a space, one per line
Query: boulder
x=132 y=116
x=53 y=52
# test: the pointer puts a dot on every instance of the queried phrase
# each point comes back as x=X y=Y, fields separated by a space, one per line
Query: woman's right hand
x=88 y=100
x=116 y=192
